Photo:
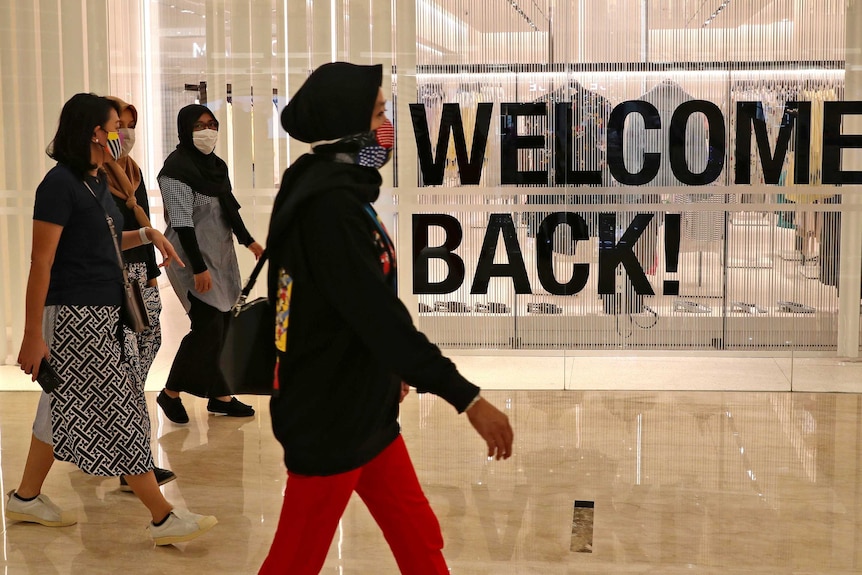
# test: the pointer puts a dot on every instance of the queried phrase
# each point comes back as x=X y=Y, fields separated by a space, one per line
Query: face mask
x=115 y=147
x=127 y=139
x=378 y=153
x=205 y=140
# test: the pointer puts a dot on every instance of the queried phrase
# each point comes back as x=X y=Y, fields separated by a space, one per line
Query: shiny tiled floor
x=683 y=482
x=764 y=477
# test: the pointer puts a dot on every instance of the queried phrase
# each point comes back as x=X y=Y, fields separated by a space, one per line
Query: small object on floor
x=39 y=510
x=582 y=527
x=180 y=526
x=173 y=407
x=232 y=408
x=162 y=476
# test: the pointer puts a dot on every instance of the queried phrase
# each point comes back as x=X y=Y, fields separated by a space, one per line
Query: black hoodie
x=350 y=340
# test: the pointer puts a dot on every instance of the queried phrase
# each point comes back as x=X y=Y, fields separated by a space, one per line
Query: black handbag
x=248 y=357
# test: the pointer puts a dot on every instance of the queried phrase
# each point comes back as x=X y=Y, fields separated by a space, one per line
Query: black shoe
x=162 y=476
x=173 y=408
x=232 y=408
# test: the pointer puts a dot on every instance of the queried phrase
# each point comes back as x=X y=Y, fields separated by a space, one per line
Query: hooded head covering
x=204 y=173
x=124 y=175
x=336 y=100
x=125 y=106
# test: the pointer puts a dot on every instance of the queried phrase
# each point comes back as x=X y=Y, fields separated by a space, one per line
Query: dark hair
x=115 y=105
x=71 y=143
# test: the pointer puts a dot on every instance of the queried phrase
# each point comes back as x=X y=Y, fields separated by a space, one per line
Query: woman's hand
x=493 y=425
x=33 y=349
x=161 y=243
x=405 y=389
x=256 y=249
x=203 y=282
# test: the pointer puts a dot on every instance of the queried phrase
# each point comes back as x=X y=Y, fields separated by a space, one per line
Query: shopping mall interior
x=628 y=221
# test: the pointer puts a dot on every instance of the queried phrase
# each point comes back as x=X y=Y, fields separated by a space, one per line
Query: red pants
x=390 y=489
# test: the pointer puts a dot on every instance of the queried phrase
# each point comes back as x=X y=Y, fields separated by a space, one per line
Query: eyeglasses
x=211 y=125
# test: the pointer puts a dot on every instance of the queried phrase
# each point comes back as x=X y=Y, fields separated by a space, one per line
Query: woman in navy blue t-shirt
x=98 y=419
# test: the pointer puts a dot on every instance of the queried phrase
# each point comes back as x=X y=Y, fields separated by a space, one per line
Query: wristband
x=474 y=402
x=144 y=239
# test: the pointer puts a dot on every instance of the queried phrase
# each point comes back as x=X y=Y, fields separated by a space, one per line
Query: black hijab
x=204 y=173
x=336 y=100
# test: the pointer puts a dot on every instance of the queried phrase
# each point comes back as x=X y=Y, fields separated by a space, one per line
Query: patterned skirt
x=99 y=414
x=141 y=348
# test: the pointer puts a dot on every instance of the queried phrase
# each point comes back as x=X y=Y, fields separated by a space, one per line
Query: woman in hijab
x=350 y=343
x=201 y=214
x=126 y=183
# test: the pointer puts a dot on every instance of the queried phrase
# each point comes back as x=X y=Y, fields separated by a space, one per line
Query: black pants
x=196 y=366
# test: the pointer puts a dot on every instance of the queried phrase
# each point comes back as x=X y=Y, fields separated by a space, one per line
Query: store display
x=753 y=309
x=689 y=306
x=794 y=307
x=492 y=307
x=730 y=246
x=452 y=306
x=543 y=308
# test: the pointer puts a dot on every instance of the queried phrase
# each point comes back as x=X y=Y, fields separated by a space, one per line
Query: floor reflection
x=694 y=482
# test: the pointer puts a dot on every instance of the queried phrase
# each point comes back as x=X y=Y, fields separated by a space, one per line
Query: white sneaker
x=40 y=510
x=181 y=525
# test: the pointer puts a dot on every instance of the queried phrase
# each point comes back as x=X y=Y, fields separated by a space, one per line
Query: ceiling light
x=523 y=15
x=716 y=13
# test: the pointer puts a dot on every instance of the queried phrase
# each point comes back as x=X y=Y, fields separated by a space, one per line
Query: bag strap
x=113 y=229
x=249 y=284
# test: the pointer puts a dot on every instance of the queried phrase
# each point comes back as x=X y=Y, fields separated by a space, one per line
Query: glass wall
x=570 y=176
x=659 y=222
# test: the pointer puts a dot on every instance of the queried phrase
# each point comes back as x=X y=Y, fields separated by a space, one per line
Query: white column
x=405 y=147
x=261 y=80
x=95 y=46
x=53 y=49
x=299 y=62
x=850 y=264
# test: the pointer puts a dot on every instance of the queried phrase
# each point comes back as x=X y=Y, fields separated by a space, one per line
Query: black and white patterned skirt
x=141 y=348
x=99 y=415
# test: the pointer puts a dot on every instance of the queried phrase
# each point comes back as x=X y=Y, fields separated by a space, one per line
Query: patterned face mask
x=370 y=149
x=115 y=147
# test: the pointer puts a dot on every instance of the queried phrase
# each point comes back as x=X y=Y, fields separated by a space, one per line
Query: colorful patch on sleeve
x=282 y=309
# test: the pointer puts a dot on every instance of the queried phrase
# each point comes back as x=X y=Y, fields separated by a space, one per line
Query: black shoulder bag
x=248 y=356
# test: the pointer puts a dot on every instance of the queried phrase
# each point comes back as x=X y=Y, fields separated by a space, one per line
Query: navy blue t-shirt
x=85 y=270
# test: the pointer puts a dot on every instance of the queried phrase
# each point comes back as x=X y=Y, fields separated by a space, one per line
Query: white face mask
x=205 y=140
x=127 y=138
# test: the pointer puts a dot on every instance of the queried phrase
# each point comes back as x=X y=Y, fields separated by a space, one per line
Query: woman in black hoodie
x=345 y=341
